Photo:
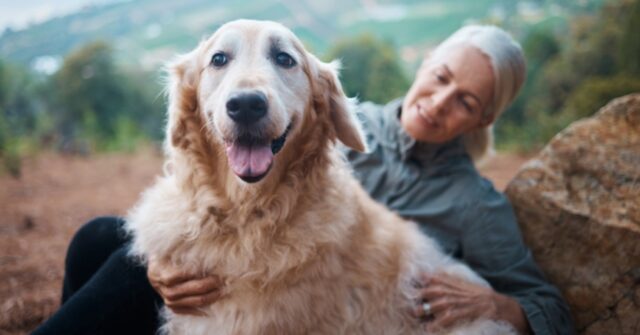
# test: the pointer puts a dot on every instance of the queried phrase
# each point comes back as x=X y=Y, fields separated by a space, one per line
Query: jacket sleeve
x=492 y=246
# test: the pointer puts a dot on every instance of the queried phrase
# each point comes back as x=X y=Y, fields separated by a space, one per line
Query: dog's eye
x=285 y=60
x=219 y=59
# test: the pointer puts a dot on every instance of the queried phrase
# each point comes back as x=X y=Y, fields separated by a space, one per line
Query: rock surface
x=578 y=205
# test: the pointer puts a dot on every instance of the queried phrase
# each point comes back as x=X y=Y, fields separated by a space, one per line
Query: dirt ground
x=40 y=212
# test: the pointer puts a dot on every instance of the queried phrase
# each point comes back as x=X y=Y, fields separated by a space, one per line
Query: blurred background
x=84 y=76
x=82 y=109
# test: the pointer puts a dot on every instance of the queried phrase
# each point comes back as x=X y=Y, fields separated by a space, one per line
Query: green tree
x=370 y=69
x=4 y=129
x=88 y=93
x=539 y=46
x=21 y=108
x=96 y=101
x=20 y=101
x=577 y=75
x=594 y=93
x=629 y=56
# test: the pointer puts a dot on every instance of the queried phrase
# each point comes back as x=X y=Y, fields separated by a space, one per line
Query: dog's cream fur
x=303 y=251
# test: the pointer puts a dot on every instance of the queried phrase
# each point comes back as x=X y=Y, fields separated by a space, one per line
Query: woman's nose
x=441 y=100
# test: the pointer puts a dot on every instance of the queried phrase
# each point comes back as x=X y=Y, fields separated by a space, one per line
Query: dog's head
x=254 y=88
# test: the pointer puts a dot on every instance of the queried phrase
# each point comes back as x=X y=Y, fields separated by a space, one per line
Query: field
x=40 y=212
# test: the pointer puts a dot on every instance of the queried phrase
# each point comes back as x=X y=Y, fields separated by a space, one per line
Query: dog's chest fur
x=339 y=266
x=290 y=276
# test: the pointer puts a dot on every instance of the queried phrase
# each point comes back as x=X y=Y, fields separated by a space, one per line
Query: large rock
x=578 y=204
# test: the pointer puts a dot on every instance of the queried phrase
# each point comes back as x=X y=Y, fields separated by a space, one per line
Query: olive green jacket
x=438 y=187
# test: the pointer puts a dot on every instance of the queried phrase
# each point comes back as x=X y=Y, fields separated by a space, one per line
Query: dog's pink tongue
x=249 y=160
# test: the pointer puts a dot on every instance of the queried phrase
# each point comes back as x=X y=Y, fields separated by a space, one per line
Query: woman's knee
x=92 y=244
x=98 y=234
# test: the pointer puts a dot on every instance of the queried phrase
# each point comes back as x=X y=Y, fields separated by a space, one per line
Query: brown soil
x=40 y=212
x=56 y=194
x=502 y=167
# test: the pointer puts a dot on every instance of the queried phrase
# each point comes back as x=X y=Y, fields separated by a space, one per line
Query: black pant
x=104 y=290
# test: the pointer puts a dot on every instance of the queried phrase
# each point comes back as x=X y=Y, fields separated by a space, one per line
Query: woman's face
x=449 y=96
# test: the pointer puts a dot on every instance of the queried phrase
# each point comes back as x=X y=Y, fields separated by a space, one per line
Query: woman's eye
x=467 y=106
x=219 y=59
x=285 y=60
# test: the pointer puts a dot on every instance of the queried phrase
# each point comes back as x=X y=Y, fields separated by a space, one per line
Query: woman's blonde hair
x=509 y=69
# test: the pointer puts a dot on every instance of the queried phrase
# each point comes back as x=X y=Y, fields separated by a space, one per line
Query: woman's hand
x=182 y=292
x=455 y=300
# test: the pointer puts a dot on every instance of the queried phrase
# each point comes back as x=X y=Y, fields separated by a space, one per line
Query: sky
x=18 y=14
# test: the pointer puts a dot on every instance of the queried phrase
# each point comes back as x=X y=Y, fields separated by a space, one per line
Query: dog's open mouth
x=251 y=158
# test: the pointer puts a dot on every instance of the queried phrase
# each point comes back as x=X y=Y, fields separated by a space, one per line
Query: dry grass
x=40 y=212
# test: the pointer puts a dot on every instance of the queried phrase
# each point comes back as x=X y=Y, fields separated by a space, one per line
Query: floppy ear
x=182 y=85
x=332 y=98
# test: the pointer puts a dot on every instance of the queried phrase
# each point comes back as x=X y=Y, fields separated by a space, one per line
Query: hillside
x=147 y=32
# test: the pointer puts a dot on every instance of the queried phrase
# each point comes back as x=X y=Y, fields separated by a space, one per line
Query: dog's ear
x=329 y=95
x=182 y=89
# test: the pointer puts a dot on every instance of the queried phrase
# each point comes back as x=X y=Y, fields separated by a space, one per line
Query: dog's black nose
x=247 y=107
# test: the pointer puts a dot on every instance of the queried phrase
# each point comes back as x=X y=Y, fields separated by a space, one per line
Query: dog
x=256 y=192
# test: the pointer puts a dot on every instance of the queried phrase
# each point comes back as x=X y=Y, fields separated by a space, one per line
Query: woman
x=420 y=165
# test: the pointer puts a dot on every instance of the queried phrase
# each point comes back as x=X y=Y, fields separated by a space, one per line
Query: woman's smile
x=425 y=118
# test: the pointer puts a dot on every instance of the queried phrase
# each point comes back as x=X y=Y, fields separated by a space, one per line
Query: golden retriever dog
x=255 y=192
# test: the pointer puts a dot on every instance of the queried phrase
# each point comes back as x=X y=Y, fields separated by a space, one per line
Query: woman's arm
x=492 y=246
x=454 y=300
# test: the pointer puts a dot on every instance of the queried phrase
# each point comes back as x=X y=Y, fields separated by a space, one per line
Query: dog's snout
x=247 y=107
